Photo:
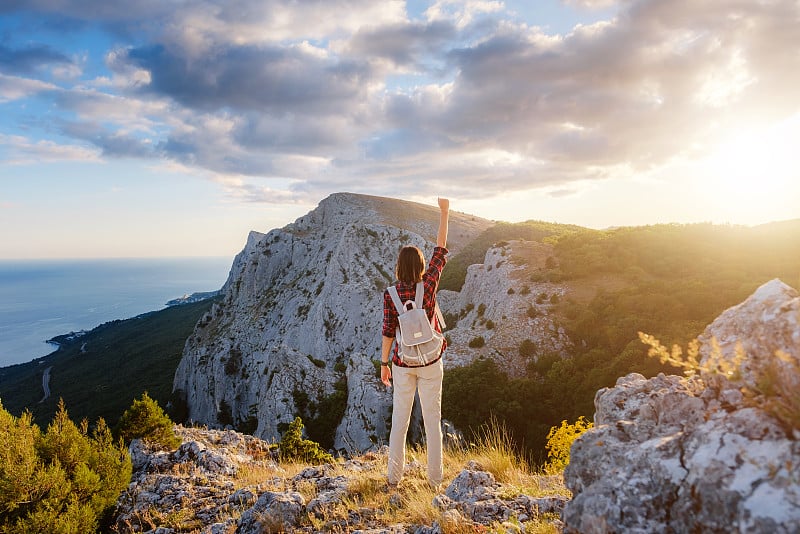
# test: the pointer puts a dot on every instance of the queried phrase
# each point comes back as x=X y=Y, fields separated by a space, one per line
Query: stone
x=272 y=512
x=222 y=481
x=470 y=486
x=676 y=454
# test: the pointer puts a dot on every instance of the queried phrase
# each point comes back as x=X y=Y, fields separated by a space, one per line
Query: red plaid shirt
x=408 y=291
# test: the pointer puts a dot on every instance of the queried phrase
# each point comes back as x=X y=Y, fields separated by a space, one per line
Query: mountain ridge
x=322 y=274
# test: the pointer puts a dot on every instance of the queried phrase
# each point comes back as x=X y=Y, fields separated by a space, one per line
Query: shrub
x=234 y=361
x=62 y=480
x=481 y=309
x=527 y=348
x=559 y=442
x=532 y=312
x=294 y=448
x=477 y=342
x=316 y=361
x=490 y=324
x=525 y=290
x=225 y=414
x=146 y=420
x=775 y=387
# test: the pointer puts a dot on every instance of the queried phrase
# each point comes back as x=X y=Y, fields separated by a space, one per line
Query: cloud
x=591 y=4
x=354 y=95
x=27 y=59
x=23 y=151
x=273 y=79
x=15 y=88
x=404 y=44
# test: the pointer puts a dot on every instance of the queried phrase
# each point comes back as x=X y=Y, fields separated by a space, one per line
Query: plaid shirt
x=408 y=291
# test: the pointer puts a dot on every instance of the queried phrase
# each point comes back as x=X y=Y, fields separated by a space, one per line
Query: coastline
x=43 y=302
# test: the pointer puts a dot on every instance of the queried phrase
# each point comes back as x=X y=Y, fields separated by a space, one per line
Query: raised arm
x=444 y=215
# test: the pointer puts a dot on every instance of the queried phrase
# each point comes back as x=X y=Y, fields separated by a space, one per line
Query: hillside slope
x=100 y=373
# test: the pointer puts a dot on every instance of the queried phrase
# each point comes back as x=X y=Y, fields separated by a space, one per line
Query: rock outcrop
x=221 y=481
x=497 y=293
x=717 y=452
x=298 y=328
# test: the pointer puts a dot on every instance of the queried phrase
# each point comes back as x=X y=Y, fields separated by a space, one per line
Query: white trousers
x=405 y=381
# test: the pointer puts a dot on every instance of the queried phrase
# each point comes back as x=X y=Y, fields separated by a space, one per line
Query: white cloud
x=351 y=94
x=16 y=88
x=23 y=151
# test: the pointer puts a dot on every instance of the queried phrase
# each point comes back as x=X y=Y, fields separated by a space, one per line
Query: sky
x=172 y=128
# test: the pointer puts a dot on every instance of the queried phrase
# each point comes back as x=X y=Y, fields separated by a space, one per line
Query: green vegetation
x=477 y=342
x=121 y=360
x=324 y=415
x=60 y=481
x=146 y=420
x=527 y=348
x=559 y=442
x=293 y=447
x=773 y=389
x=668 y=280
x=455 y=274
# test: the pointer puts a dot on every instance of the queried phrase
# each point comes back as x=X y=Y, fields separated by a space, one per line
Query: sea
x=41 y=299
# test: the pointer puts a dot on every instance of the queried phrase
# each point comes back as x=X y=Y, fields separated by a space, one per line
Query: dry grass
x=369 y=503
x=776 y=380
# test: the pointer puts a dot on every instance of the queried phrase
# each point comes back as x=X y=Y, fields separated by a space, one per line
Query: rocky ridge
x=298 y=326
x=495 y=293
x=224 y=482
x=716 y=452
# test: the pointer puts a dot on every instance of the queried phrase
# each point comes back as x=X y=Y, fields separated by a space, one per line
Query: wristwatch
x=384 y=364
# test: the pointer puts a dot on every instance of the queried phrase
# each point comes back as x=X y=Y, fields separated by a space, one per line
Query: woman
x=427 y=379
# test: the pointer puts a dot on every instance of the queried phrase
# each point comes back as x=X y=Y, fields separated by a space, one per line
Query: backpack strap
x=398 y=304
x=419 y=297
x=439 y=316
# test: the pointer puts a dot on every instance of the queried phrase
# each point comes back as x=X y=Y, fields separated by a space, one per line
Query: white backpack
x=418 y=342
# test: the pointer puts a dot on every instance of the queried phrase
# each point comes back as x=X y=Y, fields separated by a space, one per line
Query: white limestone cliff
x=301 y=314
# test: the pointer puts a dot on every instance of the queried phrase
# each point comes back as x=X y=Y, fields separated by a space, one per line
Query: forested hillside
x=665 y=280
x=100 y=373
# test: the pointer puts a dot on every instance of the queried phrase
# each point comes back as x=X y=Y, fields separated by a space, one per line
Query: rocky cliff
x=298 y=328
x=716 y=452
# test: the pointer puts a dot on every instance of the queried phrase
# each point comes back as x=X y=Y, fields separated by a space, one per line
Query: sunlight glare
x=754 y=170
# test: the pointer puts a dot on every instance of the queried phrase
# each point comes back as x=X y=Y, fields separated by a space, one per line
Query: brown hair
x=410 y=265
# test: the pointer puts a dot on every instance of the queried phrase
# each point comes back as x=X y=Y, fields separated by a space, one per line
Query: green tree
x=61 y=481
x=527 y=349
x=293 y=447
x=146 y=420
x=477 y=342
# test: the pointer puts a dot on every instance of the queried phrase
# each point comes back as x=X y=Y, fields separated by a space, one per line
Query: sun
x=753 y=174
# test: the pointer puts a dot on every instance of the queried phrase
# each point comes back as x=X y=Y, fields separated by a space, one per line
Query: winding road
x=46 y=383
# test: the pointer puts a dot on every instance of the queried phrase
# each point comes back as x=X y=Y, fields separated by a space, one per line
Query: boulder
x=677 y=454
x=273 y=512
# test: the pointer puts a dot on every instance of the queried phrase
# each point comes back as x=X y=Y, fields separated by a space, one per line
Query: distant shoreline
x=47 y=300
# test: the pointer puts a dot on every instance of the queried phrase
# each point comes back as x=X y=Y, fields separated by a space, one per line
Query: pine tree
x=294 y=447
x=146 y=420
x=59 y=481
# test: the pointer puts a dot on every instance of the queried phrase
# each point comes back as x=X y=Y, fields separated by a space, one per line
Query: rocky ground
x=714 y=452
x=225 y=482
